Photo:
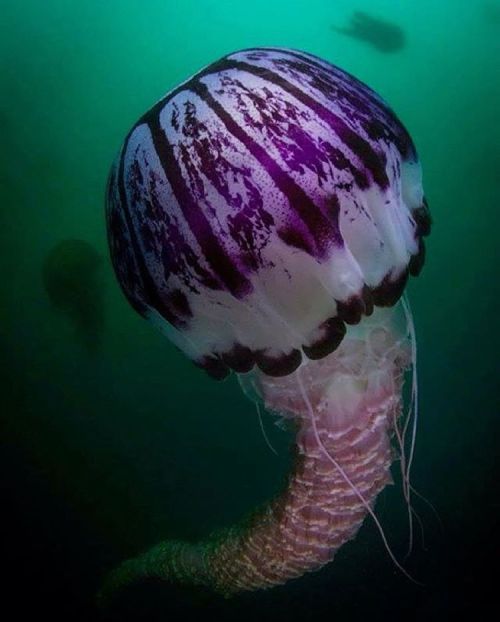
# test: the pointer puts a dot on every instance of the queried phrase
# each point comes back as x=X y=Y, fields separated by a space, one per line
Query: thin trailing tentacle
x=264 y=434
x=413 y=408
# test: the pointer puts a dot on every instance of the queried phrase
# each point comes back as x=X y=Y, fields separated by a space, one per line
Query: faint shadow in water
x=70 y=275
x=383 y=35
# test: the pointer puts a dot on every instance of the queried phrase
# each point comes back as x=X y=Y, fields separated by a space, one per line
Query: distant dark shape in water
x=383 y=35
x=71 y=279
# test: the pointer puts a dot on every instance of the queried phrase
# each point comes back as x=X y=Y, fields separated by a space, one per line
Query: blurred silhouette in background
x=71 y=273
x=382 y=35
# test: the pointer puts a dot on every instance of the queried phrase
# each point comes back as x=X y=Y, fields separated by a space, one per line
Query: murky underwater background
x=110 y=439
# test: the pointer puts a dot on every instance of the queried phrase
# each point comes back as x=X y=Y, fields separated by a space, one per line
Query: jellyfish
x=70 y=275
x=265 y=216
x=381 y=34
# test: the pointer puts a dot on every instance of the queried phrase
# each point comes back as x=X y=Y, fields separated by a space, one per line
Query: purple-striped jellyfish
x=265 y=215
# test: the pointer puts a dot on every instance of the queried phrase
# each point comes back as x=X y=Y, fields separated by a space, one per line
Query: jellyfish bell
x=265 y=216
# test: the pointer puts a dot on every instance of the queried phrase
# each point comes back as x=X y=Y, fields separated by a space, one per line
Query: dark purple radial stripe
x=219 y=261
x=361 y=93
x=278 y=366
x=334 y=331
x=150 y=289
x=114 y=226
x=422 y=219
x=374 y=162
x=323 y=232
x=240 y=358
x=214 y=367
x=389 y=291
x=417 y=261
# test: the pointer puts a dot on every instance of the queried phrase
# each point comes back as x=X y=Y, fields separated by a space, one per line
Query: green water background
x=104 y=454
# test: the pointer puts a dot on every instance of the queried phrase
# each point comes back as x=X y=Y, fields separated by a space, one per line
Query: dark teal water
x=111 y=440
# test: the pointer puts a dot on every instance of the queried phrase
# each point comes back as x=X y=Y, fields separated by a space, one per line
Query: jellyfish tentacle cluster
x=265 y=215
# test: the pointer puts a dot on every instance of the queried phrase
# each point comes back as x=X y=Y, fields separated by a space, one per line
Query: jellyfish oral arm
x=342 y=460
x=344 y=407
x=319 y=511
